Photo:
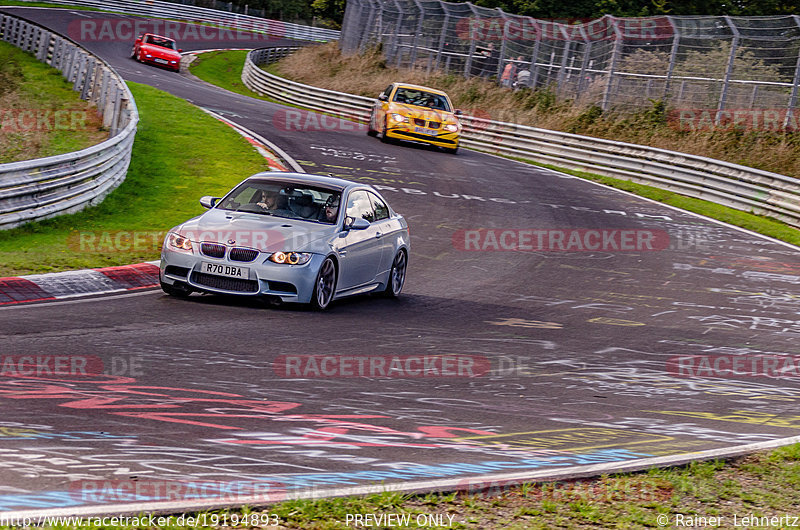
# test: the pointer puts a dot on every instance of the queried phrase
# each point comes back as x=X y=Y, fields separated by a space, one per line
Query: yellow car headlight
x=451 y=127
x=399 y=118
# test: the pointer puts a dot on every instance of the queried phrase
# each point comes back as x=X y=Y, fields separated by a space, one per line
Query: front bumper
x=403 y=132
x=290 y=283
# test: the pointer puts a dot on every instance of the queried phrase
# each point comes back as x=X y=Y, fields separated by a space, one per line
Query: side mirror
x=180 y=50
x=351 y=223
x=383 y=97
x=359 y=224
x=208 y=201
x=459 y=112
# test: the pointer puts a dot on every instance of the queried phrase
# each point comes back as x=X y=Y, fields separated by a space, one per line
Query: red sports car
x=158 y=50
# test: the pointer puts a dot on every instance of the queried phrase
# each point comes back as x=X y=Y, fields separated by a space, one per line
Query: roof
x=420 y=87
x=305 y=179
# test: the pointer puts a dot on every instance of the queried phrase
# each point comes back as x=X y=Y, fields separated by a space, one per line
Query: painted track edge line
x=461 y=483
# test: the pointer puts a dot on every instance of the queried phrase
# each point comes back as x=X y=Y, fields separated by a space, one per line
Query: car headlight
x=147 y=55
x=452 y=127
x=400 y=118
x=290 y=258
x=178 y=242
x=172 y=62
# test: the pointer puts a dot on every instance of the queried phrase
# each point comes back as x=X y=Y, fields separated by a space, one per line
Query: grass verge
x=180 y=154
x=40 y=114
x=224 y=69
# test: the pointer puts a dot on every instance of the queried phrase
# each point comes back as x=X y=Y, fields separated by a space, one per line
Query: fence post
x=440 y=51
x=673 y=56
x=728 y=71
x=587 y=50
x=562 y=72
x=534 y=69
x=793 y=96
x=614 y=59
x=413 y=59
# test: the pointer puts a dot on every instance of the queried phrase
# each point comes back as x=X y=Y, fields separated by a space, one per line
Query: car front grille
x=419 y=122
x=434 y=124
x=225 y=284
x=213 y=250
x=242 y=254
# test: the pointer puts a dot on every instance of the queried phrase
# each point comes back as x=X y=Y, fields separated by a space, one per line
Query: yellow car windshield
x=420 y=98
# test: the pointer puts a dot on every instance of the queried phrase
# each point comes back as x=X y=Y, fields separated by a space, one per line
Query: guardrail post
x=728 y=71
x=614 y=60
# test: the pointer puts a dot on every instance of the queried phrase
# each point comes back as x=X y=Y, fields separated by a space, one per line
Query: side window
x=381 y=210
x=388 y=91
x=359 y=206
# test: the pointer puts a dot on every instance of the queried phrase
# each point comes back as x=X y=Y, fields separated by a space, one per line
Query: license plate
x=221 y=269
x=162 y=61
x=423 y=130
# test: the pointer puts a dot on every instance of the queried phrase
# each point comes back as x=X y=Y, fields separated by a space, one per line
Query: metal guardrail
x=733 y=185
x=37 y=189
x=202 y=15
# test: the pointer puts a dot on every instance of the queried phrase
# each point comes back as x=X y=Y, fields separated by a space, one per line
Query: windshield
x=421 y=98
x=161 y=41
x=287 y=200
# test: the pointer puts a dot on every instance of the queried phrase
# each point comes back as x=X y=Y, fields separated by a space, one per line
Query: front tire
x=397 y=275
x=324 y=286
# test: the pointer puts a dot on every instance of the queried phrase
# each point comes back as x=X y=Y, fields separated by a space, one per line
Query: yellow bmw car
x=416 y=114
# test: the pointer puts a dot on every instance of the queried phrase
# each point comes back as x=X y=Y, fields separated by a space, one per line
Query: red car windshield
x=160 y=41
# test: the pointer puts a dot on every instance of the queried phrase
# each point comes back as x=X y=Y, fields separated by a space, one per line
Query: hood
x=262 y=232
x=158 y=51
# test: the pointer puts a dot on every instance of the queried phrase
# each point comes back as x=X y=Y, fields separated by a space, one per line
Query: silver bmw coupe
x=289 y=237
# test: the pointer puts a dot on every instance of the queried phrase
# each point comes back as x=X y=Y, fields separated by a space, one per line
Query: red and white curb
x=69 y=284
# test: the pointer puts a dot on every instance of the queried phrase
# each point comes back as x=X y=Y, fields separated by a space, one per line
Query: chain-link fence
x=709 y=67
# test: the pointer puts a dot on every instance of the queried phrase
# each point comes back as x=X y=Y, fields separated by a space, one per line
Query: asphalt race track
x=597 y=351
